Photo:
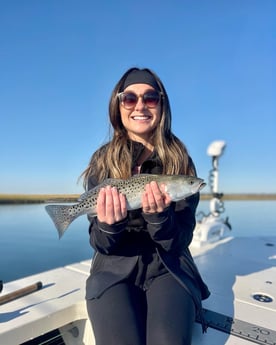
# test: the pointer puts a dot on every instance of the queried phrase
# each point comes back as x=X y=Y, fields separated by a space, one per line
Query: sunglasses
x=130 y=99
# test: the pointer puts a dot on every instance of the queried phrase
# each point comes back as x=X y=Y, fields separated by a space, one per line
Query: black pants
x=127 y=315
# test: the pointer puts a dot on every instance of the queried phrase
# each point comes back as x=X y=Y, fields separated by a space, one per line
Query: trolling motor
x=215 y=150
x=211 y=227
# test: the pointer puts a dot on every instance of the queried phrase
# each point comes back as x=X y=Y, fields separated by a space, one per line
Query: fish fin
x=83 y=196
x=87 y=194
x=61 y=217
x=141 y=174
x=91 y=191
x=107 y=182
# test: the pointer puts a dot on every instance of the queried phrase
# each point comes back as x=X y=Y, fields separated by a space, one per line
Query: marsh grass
x=253 y=196
x=60 y=198
x=37 y=198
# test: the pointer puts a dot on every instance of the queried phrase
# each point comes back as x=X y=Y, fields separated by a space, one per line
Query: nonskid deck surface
x=235 y=270
x=241 y=275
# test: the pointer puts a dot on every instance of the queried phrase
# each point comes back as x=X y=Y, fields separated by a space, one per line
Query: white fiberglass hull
x=235 y=269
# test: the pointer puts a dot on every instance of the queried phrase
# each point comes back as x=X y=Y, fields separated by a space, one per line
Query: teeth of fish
x=177 y=186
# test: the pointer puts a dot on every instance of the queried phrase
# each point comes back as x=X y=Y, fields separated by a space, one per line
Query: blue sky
x=60 y=59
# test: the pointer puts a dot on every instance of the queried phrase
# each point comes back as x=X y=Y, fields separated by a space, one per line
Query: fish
x=178 y=187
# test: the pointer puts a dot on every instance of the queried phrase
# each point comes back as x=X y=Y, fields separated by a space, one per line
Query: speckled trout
x=177 y=186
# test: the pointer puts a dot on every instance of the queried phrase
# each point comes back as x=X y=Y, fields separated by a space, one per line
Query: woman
x=144 y=288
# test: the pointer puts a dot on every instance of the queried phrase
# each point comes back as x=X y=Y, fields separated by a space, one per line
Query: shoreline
x=37 y=198
x=73 y=198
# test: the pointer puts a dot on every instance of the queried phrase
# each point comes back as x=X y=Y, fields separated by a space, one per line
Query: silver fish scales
x=177 y=186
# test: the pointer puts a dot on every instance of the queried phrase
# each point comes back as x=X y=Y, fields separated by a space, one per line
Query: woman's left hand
x=155 y=199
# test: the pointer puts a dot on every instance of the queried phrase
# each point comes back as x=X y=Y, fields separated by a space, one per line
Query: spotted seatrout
x=177 y=186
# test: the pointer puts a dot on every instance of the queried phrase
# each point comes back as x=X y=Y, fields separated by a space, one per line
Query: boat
x=49 y=307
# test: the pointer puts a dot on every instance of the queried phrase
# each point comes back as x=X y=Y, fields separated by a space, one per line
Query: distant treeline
x=71 y=198
x=37 y=198
x=245 y=196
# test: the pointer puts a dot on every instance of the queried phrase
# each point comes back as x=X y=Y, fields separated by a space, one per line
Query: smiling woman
x=140 y=106
x=140 y=112
x=134 y=275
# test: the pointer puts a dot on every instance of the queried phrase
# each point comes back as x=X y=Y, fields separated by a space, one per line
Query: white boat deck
x=60 y=302
x=235 y=269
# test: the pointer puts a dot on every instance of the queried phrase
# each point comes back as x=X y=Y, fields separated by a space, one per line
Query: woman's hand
x=155 y=199
x=111 y=205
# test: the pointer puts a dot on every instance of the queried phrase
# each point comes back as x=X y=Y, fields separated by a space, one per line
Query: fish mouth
x=202 y=185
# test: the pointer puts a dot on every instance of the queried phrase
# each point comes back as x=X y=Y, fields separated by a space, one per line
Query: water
x=29 y=242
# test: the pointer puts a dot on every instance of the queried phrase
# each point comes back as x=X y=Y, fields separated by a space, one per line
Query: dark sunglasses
x=130 y=99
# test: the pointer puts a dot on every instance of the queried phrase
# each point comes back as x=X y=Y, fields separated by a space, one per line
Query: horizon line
x=8 y=198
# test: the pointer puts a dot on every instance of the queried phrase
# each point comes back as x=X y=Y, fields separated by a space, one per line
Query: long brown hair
x=114 y=158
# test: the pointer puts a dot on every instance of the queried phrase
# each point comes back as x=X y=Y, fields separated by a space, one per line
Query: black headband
x=140 y=77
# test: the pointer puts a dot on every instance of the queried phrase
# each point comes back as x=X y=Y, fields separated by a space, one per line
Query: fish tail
x=61 y=216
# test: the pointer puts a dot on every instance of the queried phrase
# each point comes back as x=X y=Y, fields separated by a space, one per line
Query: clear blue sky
x=60 y=59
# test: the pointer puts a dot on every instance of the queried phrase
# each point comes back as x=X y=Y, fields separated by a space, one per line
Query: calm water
x=29 y=242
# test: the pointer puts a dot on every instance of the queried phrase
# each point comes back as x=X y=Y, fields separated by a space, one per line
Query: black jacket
x=117 y=247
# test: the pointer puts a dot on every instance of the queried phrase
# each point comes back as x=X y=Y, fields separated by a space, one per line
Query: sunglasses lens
x=151 y=99
x=129 y=100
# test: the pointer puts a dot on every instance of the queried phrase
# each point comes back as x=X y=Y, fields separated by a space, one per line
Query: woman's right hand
x=111 y=205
